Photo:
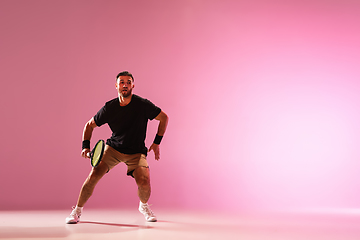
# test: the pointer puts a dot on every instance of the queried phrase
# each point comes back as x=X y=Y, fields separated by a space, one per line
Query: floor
x=130 y=224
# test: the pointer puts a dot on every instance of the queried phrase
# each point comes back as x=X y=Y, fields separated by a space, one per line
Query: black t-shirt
x=128 y=124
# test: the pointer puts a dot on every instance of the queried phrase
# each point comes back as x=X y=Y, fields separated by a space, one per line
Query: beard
x=126 y=93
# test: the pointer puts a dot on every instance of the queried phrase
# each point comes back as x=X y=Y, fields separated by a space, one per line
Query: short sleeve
x=151 y=110
x=101 y=116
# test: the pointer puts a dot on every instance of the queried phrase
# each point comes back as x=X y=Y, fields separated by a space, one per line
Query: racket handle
x=88 y=154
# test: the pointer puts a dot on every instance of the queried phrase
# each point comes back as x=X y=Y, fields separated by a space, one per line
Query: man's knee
x=142 y=177
x=98 y=172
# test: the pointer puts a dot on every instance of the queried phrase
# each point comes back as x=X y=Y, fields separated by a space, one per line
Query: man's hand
x=156 y=149
x=84 y=153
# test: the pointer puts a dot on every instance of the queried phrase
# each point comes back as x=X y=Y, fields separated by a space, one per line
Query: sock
x=79 y=209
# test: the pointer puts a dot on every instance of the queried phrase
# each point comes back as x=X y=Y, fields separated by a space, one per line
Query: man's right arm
x=87 y=133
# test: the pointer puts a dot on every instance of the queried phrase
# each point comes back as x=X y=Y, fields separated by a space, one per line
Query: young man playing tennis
x=127 y=116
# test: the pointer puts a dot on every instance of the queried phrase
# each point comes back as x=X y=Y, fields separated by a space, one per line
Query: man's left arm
x=163 y=121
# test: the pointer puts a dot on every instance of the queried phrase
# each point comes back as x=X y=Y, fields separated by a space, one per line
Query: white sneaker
x=74 y=216
x=144 y=208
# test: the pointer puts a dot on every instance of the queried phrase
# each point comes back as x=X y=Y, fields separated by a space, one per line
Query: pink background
x=263 y=99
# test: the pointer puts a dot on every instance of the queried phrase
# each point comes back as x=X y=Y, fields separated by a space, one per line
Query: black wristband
x=86 y=144
x=158 y=139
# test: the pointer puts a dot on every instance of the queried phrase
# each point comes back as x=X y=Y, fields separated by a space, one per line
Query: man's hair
x=125 y=73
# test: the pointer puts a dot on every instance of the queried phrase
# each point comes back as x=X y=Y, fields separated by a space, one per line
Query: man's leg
x=142 y=178
x=89 y=185
x=86 y=191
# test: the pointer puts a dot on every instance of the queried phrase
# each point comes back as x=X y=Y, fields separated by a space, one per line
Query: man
x=127 y=116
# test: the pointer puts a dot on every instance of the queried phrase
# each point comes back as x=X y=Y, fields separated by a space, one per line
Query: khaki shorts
x=113 y=157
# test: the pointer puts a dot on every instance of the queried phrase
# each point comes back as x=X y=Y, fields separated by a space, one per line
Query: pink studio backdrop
x=263 y=99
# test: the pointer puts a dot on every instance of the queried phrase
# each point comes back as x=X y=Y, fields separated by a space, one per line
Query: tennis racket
x=97 y=153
